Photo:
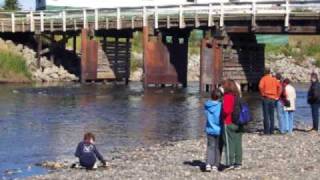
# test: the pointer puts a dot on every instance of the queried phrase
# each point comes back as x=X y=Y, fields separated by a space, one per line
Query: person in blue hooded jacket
x=213 y=130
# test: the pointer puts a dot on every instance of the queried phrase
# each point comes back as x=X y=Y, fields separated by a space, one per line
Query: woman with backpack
x=314 y=100
x=232 y=134
x=289 y=104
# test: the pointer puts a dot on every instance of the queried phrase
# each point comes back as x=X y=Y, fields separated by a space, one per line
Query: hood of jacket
x=210 y=105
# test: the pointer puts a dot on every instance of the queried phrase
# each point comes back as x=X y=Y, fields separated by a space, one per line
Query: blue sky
x=26 y=4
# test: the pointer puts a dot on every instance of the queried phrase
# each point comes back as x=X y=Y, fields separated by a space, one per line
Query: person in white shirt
x=290 y=105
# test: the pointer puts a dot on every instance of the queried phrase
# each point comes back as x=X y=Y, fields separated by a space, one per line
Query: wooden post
x=145 y=17
x=51 y=25
x=41 y=21
x=221 y=14
x=64 y=21
x=39 y=48
x=84 y=55
x=254 y=12
x=85 y=25
x=217 y=63
x=107 y=23
x=128 y=59
x=145 y=40
x=210 y=16
x=23 y=26
x=31 y=22
x=156 y=17
x=75 y=24
x=181 y=18
x=75 y=44
x=2 y=26
x=96 y=19
x=118 y=18
x=52 y=48
x=132 y=22
x=196 y=20
x=13 y=22
x=287 y=19
x=168 y=22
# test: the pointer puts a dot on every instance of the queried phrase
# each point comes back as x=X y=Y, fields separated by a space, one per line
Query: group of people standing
x=278 y=95
x=222 y=131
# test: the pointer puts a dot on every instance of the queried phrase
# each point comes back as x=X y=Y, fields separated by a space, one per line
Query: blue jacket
x=212 y=112
x=87 y=154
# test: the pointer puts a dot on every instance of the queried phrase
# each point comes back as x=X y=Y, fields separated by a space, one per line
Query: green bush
x=10 y=62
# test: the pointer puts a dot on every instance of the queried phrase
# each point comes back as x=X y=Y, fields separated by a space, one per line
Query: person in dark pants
x=232 y=133
x=314 y=100
x=213 y=130
x=88 y=153
x=270 y=90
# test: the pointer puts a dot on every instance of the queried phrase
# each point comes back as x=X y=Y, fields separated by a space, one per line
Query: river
x=40 y=123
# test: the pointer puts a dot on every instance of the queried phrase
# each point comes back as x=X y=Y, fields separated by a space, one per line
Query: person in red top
x=232 y=134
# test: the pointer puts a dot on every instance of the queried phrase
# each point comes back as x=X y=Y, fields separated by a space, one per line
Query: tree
x=11 y=5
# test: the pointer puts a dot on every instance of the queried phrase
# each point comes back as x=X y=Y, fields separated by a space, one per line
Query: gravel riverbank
x=294 y=156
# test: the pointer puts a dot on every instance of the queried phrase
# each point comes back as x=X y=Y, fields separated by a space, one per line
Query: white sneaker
x=214 y=168
x=95 y=166
x=208 y=168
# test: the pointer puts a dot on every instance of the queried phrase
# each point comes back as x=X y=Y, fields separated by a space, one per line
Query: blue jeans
x=268 y=106
x=289 y=121
x=315 y=115
x=281 y=117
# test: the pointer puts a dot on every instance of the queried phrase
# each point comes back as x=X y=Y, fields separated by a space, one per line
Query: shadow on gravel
x=196 y=163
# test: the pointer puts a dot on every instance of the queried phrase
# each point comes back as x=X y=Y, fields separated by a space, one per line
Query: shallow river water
x=40 y=123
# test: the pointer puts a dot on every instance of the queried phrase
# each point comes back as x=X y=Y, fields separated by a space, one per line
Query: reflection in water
x=44 y=123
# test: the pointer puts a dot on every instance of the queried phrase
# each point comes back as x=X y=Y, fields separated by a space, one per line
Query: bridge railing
x=214 y=14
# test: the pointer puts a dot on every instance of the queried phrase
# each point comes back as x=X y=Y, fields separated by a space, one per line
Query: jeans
x=315 y=115
x=289 y=120
x=213 y=150
x=268 y=106
x=281 y=117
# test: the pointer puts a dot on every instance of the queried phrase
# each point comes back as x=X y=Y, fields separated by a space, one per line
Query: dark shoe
x=237 y=166
x=228 y=168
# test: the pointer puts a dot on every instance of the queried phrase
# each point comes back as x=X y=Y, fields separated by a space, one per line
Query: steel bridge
x=228 y=50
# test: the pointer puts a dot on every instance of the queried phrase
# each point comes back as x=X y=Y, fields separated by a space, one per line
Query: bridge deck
x=265 y=17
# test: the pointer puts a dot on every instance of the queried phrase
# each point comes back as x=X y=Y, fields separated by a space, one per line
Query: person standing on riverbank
x=213 y=130
x=270 y=90
x=280 y=107
x=314 y=100
x=289 y=105
x=232 y=133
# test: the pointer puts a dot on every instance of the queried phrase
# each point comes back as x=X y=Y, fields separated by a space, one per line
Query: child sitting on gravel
x=88 y=153
x=213 y=130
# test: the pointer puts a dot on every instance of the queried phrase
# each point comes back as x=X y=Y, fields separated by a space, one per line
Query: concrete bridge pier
x=165 y=56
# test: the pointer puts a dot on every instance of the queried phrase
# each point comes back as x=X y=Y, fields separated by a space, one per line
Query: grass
x=10 y=64
x=299 y=48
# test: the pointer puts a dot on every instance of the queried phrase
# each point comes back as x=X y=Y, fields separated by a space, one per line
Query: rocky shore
x=48 y=71
x=265 y=157
x=289 y=67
